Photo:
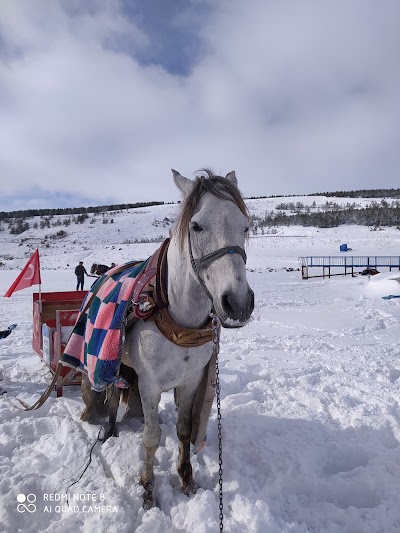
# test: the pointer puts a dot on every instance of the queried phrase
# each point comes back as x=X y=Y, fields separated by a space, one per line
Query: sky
x=100 y=99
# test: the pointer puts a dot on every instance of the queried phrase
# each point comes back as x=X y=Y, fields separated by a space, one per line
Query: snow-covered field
x=310 y=399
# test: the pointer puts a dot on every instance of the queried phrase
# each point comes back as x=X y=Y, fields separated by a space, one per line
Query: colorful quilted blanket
x=95 y=344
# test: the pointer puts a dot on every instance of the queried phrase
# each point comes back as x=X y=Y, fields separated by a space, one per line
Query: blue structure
x=343 y=247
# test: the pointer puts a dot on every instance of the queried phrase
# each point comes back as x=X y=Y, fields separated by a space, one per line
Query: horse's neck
x=189 y=306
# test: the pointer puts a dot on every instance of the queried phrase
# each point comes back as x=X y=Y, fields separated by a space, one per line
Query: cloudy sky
x=100 y=99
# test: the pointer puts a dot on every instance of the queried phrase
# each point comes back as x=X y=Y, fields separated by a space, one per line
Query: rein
x=198 y=265
x=216 y=326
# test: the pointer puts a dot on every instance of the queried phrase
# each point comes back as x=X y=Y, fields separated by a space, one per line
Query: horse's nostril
x=226 y=305
x=238 y=309
x=251 y=306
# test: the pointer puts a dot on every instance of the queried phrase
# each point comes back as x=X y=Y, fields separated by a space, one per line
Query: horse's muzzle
x=237 y=310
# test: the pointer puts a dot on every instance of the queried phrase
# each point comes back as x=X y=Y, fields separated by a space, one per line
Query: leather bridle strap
x=199 y=264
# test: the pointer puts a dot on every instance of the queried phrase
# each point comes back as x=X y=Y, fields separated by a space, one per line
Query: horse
x=98 y=269
x=205 y=272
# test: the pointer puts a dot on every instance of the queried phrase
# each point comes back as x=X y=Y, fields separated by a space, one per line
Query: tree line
x=28 y=213
x=362 y=193
x=359 y=193
x=376 y=215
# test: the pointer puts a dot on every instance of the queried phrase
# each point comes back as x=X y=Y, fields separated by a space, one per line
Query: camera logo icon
x=26 y=503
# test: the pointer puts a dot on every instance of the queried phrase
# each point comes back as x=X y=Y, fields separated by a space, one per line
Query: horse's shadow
x=302 y=470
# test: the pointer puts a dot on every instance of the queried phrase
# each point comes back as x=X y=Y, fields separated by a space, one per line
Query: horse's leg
x=113 y=404
x=134 y=404
x=95 y=403
x=184 y=397
x=150 y=396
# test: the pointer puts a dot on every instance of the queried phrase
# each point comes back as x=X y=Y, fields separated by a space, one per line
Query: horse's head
x=213 y=226
x=93 y=268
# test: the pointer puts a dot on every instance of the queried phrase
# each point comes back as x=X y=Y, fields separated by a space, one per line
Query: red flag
x=30 y=275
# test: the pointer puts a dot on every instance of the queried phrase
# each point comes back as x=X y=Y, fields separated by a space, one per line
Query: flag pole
x=40 y=286
x=40 y=298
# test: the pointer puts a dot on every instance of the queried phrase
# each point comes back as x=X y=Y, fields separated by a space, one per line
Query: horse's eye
x=196 y=227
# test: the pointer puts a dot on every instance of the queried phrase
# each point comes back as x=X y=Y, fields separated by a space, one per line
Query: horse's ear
x=184 y=184
x=231 y=176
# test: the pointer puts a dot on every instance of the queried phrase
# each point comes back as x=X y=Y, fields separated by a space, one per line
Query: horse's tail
x=125 y=396
x=131 y=377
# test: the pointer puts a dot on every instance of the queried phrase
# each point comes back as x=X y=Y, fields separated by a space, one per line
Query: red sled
x=54 y=317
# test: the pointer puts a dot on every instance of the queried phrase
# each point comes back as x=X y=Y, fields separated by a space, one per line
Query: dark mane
x=216 y=185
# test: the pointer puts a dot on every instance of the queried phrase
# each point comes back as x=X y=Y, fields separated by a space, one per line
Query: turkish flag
x=30 y=275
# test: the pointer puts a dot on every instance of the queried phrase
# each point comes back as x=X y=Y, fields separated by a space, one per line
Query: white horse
x=206 y=267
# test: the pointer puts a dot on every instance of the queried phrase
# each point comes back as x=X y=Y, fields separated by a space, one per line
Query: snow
x=309 y=398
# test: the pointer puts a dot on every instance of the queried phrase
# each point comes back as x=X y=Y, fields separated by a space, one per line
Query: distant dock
x=329 y=265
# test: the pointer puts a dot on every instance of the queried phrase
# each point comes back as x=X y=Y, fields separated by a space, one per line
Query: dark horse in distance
x=98 y=269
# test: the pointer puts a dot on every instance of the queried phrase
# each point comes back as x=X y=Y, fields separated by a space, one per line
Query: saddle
x=150 y=302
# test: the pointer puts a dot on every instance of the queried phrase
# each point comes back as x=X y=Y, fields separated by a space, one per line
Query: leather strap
x=160 y=289
x=184 y=337
x=177 y=334
x=209 y=258
x=199 y=264
x=55 y=384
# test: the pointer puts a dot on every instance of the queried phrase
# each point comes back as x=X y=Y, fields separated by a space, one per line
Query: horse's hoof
x=148 y=502
x=110 y=431
x=189 y=489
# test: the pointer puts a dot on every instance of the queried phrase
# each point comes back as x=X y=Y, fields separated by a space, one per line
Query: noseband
x=199 y=264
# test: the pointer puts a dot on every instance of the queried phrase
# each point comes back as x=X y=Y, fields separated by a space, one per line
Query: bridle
x=199 y=264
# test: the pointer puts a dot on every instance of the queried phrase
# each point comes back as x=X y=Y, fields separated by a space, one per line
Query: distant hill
x=316 y=210
x=28 y=213
x=105 y=236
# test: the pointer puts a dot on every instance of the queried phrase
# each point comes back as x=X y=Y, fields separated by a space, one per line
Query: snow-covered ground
x=310 y=399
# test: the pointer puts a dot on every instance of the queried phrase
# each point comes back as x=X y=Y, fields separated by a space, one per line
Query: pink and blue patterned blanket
x=95 y=344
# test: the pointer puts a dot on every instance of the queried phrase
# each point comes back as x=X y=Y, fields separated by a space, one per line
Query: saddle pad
x=95 y=344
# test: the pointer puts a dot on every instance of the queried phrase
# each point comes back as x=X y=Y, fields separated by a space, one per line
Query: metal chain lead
x=216 y=327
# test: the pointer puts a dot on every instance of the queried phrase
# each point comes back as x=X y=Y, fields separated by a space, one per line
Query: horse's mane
x=207 y=181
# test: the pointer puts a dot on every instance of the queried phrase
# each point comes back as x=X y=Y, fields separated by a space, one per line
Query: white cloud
x=297 y=97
